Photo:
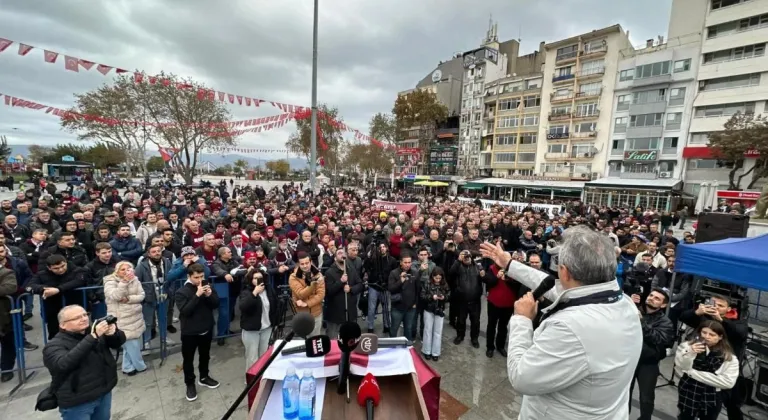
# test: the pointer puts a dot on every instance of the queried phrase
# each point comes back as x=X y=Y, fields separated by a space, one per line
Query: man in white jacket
x=579 y=362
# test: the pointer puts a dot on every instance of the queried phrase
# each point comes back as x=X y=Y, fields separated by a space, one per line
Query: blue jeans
x=132 y=360
x=29 y=304
x=408 y=318
x=148 y=312
x=374 y=297
x=98 y=409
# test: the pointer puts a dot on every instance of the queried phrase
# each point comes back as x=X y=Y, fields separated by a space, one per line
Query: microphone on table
x=371 y=343
x=302 y=326
x=369 y=394
x=349 y=335
x=316 y=346
x=543 y=287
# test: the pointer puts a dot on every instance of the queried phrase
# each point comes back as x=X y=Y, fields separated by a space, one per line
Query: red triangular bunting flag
x=138 y=77
x=87 y=64
x=70 y=63
x=239 y=100
x=51 y=56
x=101 y=68
x=5 y=43
x=231 y=98
x=166 y=82
x=247 y=101
x=7 y=99
x=118 y=71
x=152 y=80
x=24 y=49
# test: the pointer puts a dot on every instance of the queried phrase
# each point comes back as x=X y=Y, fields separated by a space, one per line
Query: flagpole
x=313 y=128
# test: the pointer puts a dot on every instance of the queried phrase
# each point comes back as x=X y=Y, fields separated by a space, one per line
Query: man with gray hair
x=580 y=361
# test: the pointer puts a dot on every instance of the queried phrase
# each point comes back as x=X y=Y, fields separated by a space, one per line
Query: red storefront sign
x=710 y=153
x=746 y=198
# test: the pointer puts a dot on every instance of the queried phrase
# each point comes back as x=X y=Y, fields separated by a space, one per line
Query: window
x=581 y=168
x=567 y=52
x=740 y=53
x=709 y=164
x=533 y=84
x=593 y=67
x=621 y=125
x=582 y=150
x=507 y=122
x=505 y=157
x=532 y=101
x=643 y=143
x=724 y=110
x=586 y=110
x=587 y=127
x=670 y=143
x=508 y=104
x=682 y=65
x=556 y=148
x=513 y=87
x=563 y=71
x=593 y=46
x=506 y=140
x=477 y=117
x=700 y=138
x=652 y=70
x=735 y=26
x=561 y=110
x=590 y=89
x=528 y=138
x=625 y=75
x=731 y=82
x=617 y=147
x=553 y=167
x=717 y=4
x=558 y=129
x=667 y=165
x=526 y=158
x=562 y=94
x=649 y=96
x=623 y=102
x=529 y=120
x=645 y=120
x=676 y=96
x=674 y=120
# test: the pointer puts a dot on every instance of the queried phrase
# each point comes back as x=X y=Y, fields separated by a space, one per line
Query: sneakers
x=26 y=317
x=5 y=377
x=191 y=393
x=208 y=382
x=171 y=329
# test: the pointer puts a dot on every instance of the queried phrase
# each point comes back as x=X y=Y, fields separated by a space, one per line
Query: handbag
x=46 y=399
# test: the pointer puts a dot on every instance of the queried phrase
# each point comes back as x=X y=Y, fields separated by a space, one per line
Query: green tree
x=299 y=142
x=384 y=128
x=279 y=167
x=155 y=164
x=419 y=109
x=368 y=159
x=743 y=132
x=37 y=154
x=77 y=151
x=241 y=165
x=105 y=155
x=5 y=150
x=223 y=170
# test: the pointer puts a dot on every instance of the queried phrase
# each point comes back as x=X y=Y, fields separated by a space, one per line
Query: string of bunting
x=74 y=64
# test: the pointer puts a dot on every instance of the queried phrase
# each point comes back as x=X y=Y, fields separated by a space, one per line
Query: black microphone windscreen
x=544 y=286
x=303 y=324
x=349 y=333
x=318 y=346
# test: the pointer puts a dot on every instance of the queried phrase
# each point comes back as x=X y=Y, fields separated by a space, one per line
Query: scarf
x=695 y=397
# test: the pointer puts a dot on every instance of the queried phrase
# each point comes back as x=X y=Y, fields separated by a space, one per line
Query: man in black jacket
x=196 y=301
x=83 y=370
x=341 y=282
x=737 y=330
x=469 y=289
x=56 y=284
x=658 y=336
x=377 y=266
x=405 y=287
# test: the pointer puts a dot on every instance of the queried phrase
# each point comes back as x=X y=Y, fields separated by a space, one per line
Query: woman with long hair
x=258 y=313
x=124 y=295
x=706 y=365
x=435 y=293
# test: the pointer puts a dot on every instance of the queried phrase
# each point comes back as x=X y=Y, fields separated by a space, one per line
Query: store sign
x=67 y=158
x=735 y=195
x=641 y=155
x=446 y=178
x=752 y=153
x=443 y=155
x=408 y=151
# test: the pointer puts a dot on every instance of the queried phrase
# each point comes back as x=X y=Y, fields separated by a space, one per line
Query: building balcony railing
x=638 y=175
x=587 y=94
x=555 y=98
x=564 y=175
x=590 y=73
x=558 y=136
x=559 y=116
x=563 y=78
x=614 y=173
x=669 y=151
x=594 y=51
x=584 y=135
x=556 y=156
x=487 y=132
x=581 y=155
x=571 y=56
x=586 y=114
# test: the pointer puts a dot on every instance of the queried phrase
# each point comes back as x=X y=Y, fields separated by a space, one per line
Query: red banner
x=743 y=195
x=389 y=206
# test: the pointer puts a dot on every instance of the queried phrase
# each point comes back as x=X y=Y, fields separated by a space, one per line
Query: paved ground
x=475 y=387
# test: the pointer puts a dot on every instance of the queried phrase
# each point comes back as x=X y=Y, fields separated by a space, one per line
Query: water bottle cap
x=307 y=373
x=291 y=371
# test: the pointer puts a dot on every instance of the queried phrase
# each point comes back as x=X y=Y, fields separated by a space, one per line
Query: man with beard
x=147 y=229
x=153 y=273
x=308 y=246
x=282 y=259
x=342 y=283
x=16 y=234
x=308 y=290
x=208 y=250
x=469 y=289
x=377 y=267
x=171 y=242
x=424 y=266
x=66 y=247
x=658 y=336
x=59 y=280
x=405 y=287
x=126 y=246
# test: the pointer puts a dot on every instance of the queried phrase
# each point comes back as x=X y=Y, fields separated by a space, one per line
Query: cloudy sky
x=369 y=49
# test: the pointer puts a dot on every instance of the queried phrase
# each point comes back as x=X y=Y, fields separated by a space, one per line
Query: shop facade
x=529 y=188
x=660 y=194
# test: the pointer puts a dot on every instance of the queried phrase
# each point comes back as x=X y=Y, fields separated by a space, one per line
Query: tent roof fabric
x=740 y=261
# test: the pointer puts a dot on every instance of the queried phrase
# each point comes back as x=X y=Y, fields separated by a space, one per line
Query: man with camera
x=469 y=288
x=83 y=370
x=640 y=278
x=308 y=290
x=658 y=336
x=719 y=308
x=404 y=287
x=377 y=267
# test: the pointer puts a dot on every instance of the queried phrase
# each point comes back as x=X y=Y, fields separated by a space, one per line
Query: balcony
x=638 y=175
x=554 y=98
x=589 y=94
x=487 y=132
x=654 y=106
x=591 y=73
x=563 y=175
x=647 y=81
x=580 y=156
x=614 y=173
x=593 y=52
x=556 y=156
x=563 y=78
x=587 y=114
x=584 y=135
x=558 y=136
x=559 y=116
x=669 y=151
x=566 y=58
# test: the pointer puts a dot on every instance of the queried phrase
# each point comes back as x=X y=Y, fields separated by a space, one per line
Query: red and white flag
x=5 y=43
x=71 y=63
x=51 y=56
x=101 y=68
x=87 y=64
x=24 y=49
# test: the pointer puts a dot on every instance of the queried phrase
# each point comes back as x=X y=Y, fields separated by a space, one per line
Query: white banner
x=518 y=207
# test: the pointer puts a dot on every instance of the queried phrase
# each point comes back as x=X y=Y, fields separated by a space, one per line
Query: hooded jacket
x=129 y=316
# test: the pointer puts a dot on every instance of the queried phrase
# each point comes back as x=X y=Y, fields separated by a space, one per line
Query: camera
x=551 y=243
x=109 y=319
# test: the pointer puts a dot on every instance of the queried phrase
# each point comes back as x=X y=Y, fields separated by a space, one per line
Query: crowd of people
x=101 y=252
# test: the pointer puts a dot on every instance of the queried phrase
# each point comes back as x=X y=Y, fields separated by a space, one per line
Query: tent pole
x=671 y=288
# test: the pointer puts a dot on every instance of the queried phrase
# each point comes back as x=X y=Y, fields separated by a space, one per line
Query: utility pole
x=313 y=121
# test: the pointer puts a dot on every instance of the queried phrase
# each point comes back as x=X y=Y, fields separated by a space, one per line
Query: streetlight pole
x=313 y=121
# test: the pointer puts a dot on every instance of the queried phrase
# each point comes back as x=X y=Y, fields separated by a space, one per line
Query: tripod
x=671 y=380
x=284 y=304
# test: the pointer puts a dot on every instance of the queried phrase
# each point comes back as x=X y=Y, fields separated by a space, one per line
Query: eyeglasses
x=77 y=318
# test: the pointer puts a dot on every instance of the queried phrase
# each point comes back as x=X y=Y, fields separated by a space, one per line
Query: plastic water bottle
x=291 y=394
x=307 y=396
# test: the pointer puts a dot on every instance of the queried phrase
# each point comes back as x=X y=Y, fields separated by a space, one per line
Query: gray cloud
x=369 y=50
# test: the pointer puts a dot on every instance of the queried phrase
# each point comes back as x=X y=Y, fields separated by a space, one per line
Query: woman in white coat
x=707 y=365
x=124 y=296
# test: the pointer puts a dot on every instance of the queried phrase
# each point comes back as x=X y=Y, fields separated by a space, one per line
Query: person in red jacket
x=395 y=241
x=501 y=305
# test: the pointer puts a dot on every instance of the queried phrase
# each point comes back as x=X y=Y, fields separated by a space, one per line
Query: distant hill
x=218 y=160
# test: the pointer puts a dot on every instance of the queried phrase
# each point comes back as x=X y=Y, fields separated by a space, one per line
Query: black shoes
x=27 y=317
x=435 y=358
x=458 y=340
x=153 y=334
x=171 y=329
x=191 y=392
x=489 y=354
x=386 y=331
x=29 y=346
x=131 y=373
x=475 y=344
x=426 y=356
x=5 y=377
x=208 y=382
x=370 y=330
x=502 y=352
x=220 y=341
x=28 y=327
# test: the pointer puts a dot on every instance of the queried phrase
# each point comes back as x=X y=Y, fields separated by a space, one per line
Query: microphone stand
x=346 y=315
x=258 y=376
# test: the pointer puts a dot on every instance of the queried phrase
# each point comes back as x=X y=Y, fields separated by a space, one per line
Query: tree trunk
x=758 y=175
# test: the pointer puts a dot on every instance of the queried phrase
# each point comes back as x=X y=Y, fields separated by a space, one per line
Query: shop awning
x=473 y=186
x=431 y=184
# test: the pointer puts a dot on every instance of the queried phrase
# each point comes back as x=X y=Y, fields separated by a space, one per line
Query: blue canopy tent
x=739 y=261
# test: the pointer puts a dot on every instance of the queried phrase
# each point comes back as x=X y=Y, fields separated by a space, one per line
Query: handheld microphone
x=303 y=324
x=349 y=335
x=371 y=343
x=544 y=286
x=369 y=395
x=316 y=346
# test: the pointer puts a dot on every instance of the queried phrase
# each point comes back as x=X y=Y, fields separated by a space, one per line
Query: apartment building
x=510 y=130
x=652 y=102
x=732 y=77
x=577 y=96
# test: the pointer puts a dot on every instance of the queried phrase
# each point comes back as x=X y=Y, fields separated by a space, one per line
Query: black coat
x=469 y=285
x=658 y=336
x=82 y=368
x=378 y=269
x=251 y=308
x=196 y=312
x=334 y=294
x=8 y=287
x=409 y=290
x=75 y=256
